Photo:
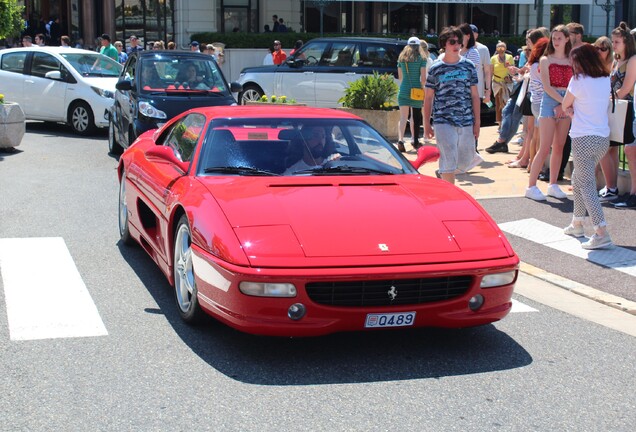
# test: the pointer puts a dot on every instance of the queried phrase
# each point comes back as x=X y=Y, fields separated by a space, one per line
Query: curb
x=580 y=289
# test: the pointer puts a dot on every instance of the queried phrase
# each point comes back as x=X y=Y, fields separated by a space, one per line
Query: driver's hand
x=333 y=157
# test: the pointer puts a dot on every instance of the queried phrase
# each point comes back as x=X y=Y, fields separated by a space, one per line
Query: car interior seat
x=295 y=145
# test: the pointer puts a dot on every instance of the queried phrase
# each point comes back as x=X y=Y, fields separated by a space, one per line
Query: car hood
x=102 y=82
x=356 y=222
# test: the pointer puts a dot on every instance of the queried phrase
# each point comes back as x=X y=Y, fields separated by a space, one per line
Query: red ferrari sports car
x=295 y=221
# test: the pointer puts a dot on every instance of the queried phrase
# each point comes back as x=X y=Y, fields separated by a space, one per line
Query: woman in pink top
x=556 y=71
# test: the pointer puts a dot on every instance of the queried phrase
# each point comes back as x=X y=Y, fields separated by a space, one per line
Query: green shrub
x=10 y=18
x=374 y=92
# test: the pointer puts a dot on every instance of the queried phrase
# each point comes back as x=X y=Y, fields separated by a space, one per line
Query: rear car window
x=13 y=62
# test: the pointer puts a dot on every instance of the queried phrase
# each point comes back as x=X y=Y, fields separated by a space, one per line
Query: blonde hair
x=410 y=53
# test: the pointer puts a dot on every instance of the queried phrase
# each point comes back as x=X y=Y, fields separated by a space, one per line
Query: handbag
x=621 y=119
x=416 y=93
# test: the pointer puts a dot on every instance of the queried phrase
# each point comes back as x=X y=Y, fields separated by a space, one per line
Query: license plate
x=401 y=319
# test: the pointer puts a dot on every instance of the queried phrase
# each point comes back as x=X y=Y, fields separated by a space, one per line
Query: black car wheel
x=251 y=93
x=80 y=117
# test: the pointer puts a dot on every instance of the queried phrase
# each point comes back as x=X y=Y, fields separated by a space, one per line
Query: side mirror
x=163 y=154
x=425 y=154
x=124 y=85
x=236 y=87
x=54 y=75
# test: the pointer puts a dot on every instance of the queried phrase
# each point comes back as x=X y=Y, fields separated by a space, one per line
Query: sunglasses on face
x=454 y=42
x=602 y=48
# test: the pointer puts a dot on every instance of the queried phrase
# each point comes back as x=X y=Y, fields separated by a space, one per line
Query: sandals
x=400 y=146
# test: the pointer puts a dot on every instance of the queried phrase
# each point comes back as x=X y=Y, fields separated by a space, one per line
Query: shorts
x=536 y=109
x=548 y=105
x=456 y=147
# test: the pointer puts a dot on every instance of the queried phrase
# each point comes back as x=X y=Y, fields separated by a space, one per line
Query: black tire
x=81 y=119
x=185 y=289
x=124 y=230
x=250 y=93
x=113 y=144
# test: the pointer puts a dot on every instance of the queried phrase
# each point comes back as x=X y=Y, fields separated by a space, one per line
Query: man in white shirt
x=484 y=74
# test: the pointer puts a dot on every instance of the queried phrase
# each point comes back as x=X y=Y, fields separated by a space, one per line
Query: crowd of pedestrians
x=560 y=90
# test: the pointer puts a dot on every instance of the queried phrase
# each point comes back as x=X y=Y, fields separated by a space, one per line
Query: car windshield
x=194 y=76
x=93 y=65
x=298 y=147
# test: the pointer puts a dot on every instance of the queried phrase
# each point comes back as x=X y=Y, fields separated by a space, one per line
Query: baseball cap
x=474 y=28
x=413 y=41
x=194 y=43
x=105 y=36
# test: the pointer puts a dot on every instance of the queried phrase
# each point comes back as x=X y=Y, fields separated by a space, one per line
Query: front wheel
x=251 y=93
x=185 y=289
x=81 y=119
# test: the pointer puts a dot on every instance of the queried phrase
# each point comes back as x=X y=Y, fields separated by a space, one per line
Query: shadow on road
x=336 y=359
x=59 y=130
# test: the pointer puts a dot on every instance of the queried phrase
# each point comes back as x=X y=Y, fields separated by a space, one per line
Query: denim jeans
x=511 y=116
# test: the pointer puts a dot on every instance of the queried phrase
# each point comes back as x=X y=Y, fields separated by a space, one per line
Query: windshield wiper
x=342 y=169
x=238 y=170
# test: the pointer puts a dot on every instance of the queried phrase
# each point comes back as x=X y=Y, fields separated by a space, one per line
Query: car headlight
x=266 y=289
x=104 y=93
x=498 y=279
x=149 y=111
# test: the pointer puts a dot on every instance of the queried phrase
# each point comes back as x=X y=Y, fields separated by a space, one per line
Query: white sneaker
x=555 y=191
x=598 y=242
x=519 y=140
x=574 y=230
x=535 y=194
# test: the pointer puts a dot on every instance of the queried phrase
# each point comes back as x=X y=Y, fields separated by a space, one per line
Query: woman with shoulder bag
x=586 y=102
x=412 y=77
x=623 y=77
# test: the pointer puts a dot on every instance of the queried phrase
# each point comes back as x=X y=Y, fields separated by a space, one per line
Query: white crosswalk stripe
x=617 y=258
x=44 y=293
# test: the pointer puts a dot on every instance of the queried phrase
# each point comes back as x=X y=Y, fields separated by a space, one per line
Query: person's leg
x=404 y=115
x=416 y=116
x=465 y=148
x=446 y=137
x=546 y=134
x=588 y=152
x=558 y=142
x=565 y=155
x=609 y=166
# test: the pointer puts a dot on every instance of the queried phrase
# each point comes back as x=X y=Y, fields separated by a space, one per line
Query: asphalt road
x=538 y=369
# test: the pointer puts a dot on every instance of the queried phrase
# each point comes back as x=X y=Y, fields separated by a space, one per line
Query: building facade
x=178 y=20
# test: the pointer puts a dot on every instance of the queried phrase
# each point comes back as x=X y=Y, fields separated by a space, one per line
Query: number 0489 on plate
x=401 y=319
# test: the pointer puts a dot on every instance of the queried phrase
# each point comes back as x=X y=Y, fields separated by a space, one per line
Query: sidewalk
x=492 y=178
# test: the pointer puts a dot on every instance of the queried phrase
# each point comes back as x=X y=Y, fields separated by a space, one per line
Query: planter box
x=274 y=104
x=385 y=122
x=12 y=125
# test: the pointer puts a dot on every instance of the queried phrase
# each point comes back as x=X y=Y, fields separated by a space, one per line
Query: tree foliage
x=10 y=18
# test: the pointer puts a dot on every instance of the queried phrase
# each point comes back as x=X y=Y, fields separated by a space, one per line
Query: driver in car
x=314 y=141
x=191 y=80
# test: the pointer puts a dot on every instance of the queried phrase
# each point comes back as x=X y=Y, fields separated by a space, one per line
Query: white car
x=59 y=84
